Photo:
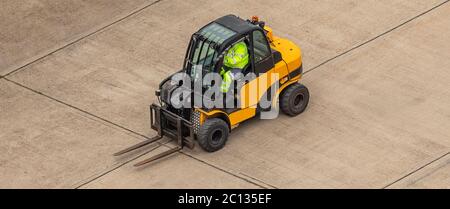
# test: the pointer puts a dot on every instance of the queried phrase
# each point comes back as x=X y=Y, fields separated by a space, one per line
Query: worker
x=233 y=63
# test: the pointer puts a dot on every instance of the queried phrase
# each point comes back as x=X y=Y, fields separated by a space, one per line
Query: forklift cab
x=209 y=45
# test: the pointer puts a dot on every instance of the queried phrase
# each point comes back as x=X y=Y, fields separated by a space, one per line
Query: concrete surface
x=434 y=176
x=45 y=144
x=32 y=28
x=378 y=115
x=168 y=173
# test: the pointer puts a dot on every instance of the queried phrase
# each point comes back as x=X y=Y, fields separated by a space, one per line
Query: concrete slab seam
x=129 y=130
x=258 y=180
x=202 y=161
x=376 y=37
x=98 y=176
x=81 y=38
x=416 y=170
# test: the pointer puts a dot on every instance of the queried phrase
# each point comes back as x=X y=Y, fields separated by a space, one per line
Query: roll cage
x=237 y=30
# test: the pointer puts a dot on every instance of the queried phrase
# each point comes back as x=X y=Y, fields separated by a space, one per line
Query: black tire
x=213 y=134
x=294 y=99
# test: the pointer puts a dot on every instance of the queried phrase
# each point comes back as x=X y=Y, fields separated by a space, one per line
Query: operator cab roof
x=226 y=29
x=236 y=24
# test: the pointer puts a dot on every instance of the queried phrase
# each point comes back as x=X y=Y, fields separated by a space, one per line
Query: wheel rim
x=298 y=100
x=216 y=136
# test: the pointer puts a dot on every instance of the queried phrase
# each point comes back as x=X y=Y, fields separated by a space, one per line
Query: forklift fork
x=161 y=120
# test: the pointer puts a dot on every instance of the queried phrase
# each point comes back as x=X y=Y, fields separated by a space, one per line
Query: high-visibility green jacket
x=236 y=58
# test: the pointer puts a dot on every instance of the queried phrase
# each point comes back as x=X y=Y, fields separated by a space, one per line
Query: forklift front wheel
x=294 y=99
x=213 y=134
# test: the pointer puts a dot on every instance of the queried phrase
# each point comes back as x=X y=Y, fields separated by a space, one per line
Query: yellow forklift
x=269 y=57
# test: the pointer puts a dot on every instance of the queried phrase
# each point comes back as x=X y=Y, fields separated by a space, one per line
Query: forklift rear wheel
x=213 y=134
x=294 y=99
